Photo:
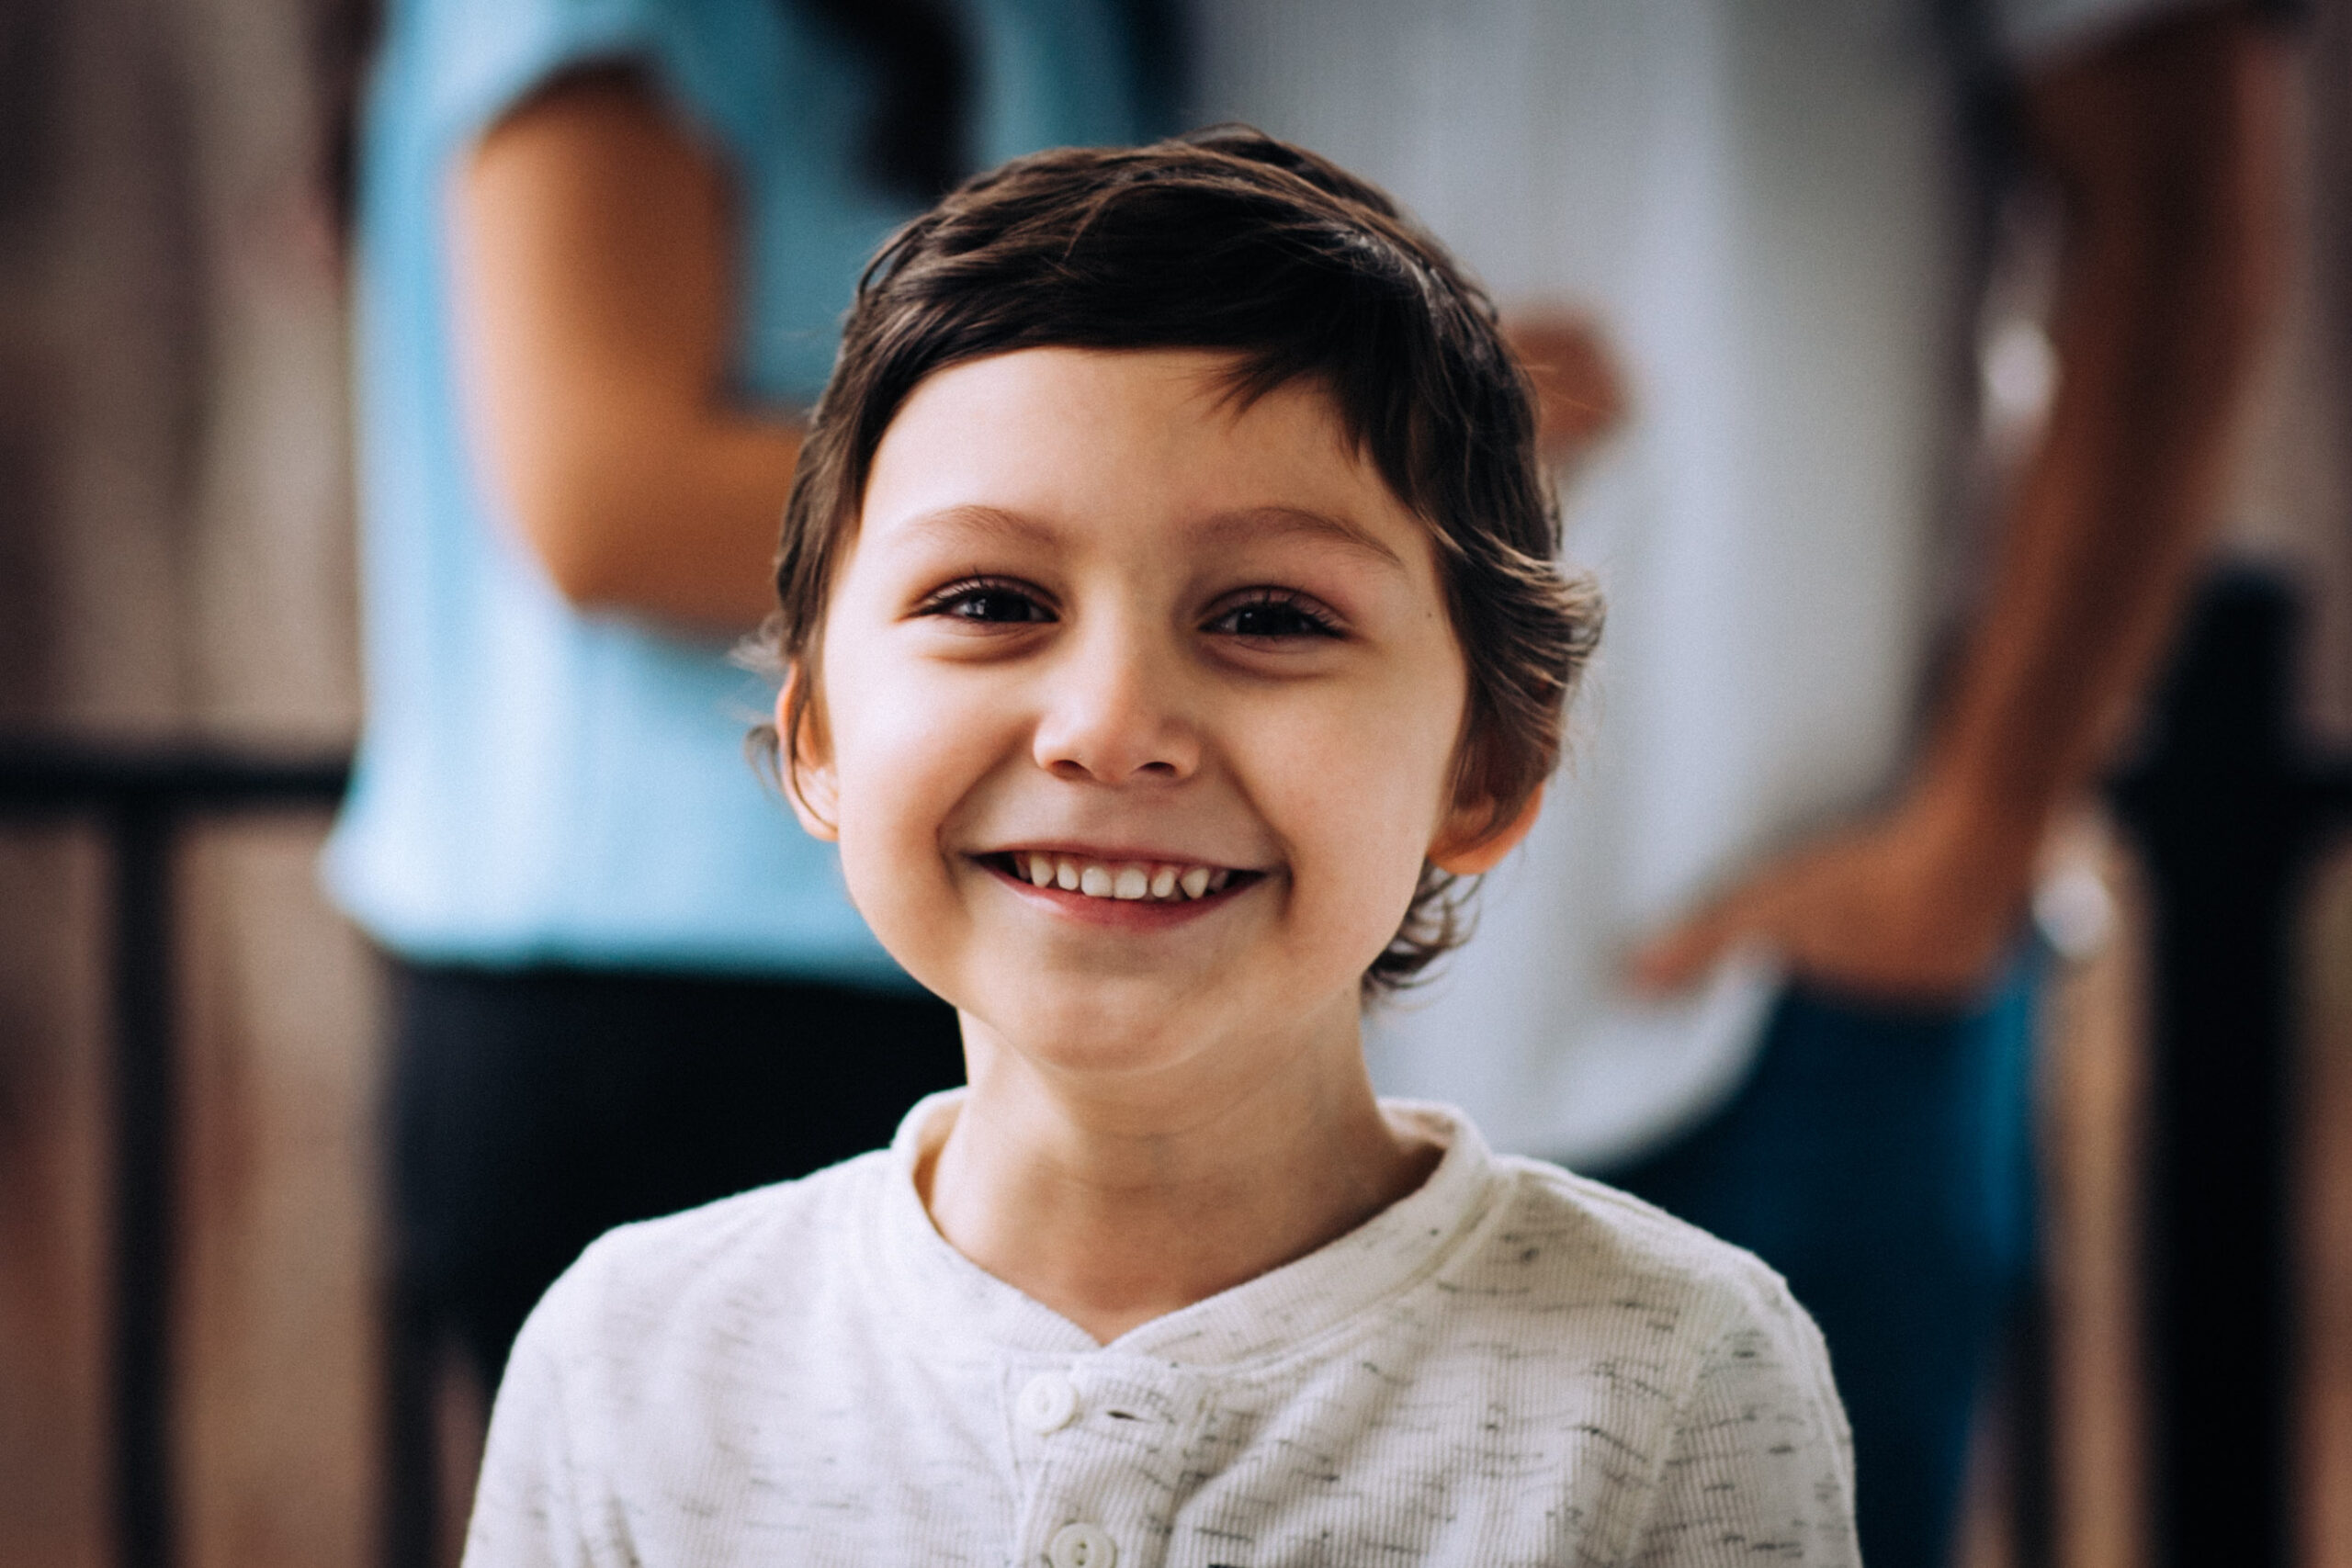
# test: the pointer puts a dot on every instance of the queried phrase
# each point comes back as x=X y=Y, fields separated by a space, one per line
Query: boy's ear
x=1465 y=846
x=805 y=764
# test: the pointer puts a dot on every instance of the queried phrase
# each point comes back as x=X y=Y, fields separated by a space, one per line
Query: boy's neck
x=1117 y=1205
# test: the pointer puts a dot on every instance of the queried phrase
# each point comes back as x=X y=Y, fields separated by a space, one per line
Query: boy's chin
x=1104 y=1030
x=1092 y=1032
x=1111 y=1031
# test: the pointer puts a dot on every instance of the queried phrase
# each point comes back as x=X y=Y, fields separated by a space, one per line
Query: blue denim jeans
x=1881 y=1159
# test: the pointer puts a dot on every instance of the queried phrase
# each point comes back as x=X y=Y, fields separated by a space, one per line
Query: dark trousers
x=1882 y=1161
x=532 y=1111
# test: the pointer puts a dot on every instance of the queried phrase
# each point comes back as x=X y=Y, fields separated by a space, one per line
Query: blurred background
x=179 y=683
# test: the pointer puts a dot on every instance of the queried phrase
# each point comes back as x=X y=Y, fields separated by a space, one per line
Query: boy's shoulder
x=1561 y=1244
x=723 y=1261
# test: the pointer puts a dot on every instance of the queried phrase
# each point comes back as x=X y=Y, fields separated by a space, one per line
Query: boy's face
x=1097 y=617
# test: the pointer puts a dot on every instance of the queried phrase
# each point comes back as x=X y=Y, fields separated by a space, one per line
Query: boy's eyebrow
x=1263 y=520
x=980 y=523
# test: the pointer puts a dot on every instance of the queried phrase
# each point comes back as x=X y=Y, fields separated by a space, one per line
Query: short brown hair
x=1228 y=240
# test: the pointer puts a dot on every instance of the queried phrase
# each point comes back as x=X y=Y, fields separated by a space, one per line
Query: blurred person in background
x=603 y=249
x=1763 y=961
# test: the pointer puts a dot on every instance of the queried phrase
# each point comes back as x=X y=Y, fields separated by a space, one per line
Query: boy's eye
x=1275 y=613
x=987 y=601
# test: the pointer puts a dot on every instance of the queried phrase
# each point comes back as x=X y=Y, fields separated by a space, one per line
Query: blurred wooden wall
x=2307 y=488
x=175 y=559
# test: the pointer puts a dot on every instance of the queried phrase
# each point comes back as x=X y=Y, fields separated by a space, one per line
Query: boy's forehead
x=1020 y=432
x=980 y=525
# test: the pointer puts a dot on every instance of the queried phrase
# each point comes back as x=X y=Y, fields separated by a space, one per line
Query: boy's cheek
x=908 y=903
x=1384 y=771
x=906 y=781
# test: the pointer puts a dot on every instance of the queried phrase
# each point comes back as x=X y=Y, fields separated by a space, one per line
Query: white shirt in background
x=1772 y=208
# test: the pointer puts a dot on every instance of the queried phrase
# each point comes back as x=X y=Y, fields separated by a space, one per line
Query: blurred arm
x=2165 y=147
x=2165 y=150
x=593 y=270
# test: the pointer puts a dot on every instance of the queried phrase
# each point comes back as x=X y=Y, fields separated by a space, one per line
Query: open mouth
x=1128 y=881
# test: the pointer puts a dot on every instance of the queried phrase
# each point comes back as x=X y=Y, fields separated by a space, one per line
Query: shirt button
x=1081 y=1546
x=1046 y=1404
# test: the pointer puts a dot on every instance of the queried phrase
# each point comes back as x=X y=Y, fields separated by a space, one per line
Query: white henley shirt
x=1512 y=1365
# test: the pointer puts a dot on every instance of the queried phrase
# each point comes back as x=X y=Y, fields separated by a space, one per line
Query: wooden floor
x=278 y=1421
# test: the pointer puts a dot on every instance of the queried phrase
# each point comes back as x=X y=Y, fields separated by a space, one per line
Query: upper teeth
x=1128 y=879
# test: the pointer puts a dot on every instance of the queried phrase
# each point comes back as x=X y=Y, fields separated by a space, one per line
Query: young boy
x=1169 y=610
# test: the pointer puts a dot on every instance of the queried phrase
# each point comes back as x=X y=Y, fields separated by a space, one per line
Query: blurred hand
x=1917 y=906
x=1580 y=397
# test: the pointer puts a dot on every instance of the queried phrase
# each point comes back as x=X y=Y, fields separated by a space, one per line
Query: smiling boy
x=1168 y=601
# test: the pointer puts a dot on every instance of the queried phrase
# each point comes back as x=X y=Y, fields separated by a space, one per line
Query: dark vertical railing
x=2032 y=1432
x=2229 y=809
x=145 y=1159
x=138 y=798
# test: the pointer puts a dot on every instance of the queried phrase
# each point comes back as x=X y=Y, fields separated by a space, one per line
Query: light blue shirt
x=537 y=785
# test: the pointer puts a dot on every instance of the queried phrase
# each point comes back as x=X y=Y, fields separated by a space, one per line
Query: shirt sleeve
x=526 y=1505
x=1761 y=1467
x=716 y=61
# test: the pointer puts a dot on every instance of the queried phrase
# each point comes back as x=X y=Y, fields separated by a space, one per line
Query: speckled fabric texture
x=1513 y=1365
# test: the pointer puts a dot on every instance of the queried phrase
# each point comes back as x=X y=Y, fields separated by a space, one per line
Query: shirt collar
x=1277 y=1313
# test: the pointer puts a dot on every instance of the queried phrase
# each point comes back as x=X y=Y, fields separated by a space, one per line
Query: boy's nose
x=1114 y=715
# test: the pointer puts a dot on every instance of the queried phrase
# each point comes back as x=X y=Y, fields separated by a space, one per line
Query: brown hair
x=1228 y=240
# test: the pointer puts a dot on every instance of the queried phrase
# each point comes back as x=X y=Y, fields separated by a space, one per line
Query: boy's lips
x=1117 y=878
